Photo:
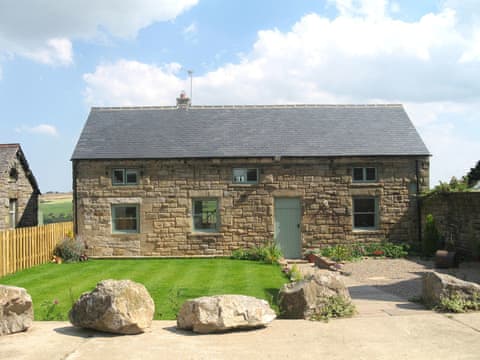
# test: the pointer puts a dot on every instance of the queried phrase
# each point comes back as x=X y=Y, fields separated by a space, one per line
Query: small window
x=125 y=176
x=365 y=213
x=125 y=219
x=205 y=215
x=13 y=175
x=364 y=174
x=245 y=176
x=12 y=213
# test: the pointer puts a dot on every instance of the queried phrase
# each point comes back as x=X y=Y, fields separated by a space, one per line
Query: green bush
x=457 y=304
x=335 y=307
x=70 y=250
x=357 y=251
x=431 y=237
x=269 y=254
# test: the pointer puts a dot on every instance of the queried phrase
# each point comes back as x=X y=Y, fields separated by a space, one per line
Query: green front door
x=287 y=227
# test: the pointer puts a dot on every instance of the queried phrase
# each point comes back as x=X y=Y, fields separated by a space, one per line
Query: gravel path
x=402 y=277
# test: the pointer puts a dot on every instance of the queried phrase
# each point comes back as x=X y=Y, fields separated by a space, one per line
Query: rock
x=436 y=286
x=221 y=313
x=305 y=298
x=115 y=306
x=16 y=310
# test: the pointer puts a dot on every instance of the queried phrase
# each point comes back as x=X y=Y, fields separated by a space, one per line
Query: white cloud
x=190 y=29
x=362 y=55
x=42 y=129
x=43 y=30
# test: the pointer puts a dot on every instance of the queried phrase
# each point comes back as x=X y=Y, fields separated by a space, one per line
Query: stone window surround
x=125 y=169
x=246 y=182
x=127 y=201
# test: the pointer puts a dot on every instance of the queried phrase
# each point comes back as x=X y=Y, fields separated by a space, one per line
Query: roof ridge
x=265 y=106
x=12 y=145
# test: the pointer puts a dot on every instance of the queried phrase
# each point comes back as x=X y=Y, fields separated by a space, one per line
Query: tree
x=473 y=175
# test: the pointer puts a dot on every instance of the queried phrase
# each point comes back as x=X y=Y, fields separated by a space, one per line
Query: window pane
x=364 y=205
x=357 y=174
x=118 y=177
x=131 y=176
x=205 y=214
x=364 y=220
x=125 y=218
x=252 y=175
x=371 y=173
x=239 y=175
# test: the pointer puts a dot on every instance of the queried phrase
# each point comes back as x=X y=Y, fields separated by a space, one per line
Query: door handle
x=298 y=226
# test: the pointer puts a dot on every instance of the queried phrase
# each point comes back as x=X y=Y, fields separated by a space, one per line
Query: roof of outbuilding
x=8 y=152
x=248 y=131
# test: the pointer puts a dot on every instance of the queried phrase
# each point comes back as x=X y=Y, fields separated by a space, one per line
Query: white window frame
x=125 y=172
x=240 y=175
x=114 y=218
x=375 y=213
x=364 y=174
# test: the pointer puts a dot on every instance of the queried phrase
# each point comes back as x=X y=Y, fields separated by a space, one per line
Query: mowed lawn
x=169 y=281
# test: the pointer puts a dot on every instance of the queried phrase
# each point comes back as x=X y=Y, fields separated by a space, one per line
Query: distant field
x=56 y=207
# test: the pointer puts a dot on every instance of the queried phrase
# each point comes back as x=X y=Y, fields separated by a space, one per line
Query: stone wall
x=23 y=192
x=166 y=189
x=456 y=215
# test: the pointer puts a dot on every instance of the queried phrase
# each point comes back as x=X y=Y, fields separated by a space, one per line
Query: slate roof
x=8 y=152
x=248 y=131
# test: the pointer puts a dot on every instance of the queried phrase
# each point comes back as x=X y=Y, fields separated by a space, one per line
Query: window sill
x=366 y=231
x=125 y=233
x=242 y=185
x=365 y=184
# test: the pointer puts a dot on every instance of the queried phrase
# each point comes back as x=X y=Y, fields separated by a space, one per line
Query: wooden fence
x=25 y=247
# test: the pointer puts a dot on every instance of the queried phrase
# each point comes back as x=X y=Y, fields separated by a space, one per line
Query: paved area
x=416 y=336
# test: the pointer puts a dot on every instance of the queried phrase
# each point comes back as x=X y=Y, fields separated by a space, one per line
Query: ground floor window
x=125 y=218
x=365 y=213
x=205 y=215
x=12 y=213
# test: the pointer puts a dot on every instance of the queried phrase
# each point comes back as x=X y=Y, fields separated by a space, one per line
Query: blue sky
x=57 y=59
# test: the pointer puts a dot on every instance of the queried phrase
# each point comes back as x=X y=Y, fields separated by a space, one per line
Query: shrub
x=70 y=250
x=269 y=254
x=357 y=251
x=335 y=307
x=457 y=304
x=294 y=274
x=431 y=238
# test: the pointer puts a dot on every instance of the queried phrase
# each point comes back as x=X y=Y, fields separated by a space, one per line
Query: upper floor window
x=12 y=213
x=364 y=174
x=122 y=176
x=245 y=176
x=13 y=175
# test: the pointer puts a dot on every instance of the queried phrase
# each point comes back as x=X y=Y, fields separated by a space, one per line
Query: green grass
x=164 y=279
x=56 y=210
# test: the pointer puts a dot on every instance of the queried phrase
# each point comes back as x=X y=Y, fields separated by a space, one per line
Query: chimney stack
x=183 y=101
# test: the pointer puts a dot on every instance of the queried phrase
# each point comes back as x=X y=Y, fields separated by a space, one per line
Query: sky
x=59 y=58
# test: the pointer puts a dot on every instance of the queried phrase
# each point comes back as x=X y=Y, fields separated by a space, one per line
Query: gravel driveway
x=403 y=277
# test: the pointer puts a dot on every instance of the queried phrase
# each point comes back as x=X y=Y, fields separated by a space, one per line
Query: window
x=12 y=213
x=364 y=174
x=365 y=214
x=245 y=176
x=13 y=175
x=125 y=219
x=125 y=176
x=205 y=215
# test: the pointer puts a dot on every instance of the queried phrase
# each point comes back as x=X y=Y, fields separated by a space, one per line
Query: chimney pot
x=183 y=101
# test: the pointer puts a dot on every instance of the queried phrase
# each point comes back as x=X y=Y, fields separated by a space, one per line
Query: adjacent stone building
x=18 y=189
x=205 y=180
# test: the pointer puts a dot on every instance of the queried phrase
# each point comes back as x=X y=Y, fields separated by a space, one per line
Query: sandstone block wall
x=456 y=215
x=22 y=190
x=166 y=188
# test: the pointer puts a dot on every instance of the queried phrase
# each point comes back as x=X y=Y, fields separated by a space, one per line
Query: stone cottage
x=205 y=180
x=18 y=189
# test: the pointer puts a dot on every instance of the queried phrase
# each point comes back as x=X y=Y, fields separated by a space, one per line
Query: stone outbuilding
x=205 y=180
x=19 y=190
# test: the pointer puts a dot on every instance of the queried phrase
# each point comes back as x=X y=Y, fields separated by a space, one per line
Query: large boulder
x=303 y=299
x=16 y=310
x=115 y=306
x=221 y=313
x=437 y=286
